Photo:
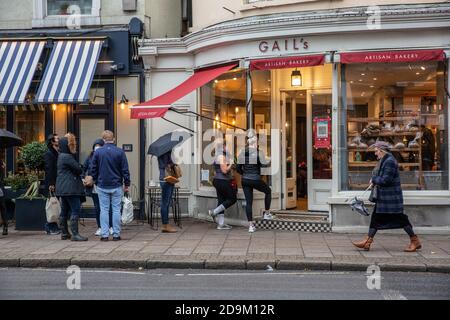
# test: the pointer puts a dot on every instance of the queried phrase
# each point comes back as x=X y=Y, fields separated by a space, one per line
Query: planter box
x=10 y=197
x=30 y=214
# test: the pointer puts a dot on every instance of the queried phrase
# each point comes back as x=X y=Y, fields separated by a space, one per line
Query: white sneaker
x=98 y=233
x=267 y=215
x=251 y=228
x=212 y=215
x=223 y=227
x=111 y=231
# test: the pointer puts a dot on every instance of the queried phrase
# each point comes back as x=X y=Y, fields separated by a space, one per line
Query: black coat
x=390 y=195
x=68 y=181
x=50 y=161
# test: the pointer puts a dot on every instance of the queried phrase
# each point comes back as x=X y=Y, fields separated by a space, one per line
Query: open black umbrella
x=167 y=142
x=9 y=139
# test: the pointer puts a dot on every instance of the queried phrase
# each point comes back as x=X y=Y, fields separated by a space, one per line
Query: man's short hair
x=51 y=138
x=108 y=136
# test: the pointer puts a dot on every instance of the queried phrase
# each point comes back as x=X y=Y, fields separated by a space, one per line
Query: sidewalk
x=199 y=245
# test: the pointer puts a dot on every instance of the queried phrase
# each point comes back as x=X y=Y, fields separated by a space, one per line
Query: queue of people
x=105 y=177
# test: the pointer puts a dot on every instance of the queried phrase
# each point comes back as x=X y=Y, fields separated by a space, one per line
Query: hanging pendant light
x=296 y=78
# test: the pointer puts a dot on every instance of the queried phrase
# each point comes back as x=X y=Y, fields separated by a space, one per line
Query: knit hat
x=382 y=145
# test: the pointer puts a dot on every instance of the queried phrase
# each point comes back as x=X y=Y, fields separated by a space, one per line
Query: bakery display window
x=403 y=104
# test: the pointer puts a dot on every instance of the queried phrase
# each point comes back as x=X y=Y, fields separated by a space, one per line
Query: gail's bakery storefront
x=323 y=97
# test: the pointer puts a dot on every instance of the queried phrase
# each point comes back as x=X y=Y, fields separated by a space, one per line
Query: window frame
x=42 y=20
x=423 y=196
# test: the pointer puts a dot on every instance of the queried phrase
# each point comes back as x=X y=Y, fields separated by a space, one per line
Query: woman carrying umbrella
x=388 y=211
x=162 y=148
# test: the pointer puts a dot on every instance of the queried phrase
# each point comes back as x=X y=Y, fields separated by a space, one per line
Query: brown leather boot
x=414 y=244
x=364 y=244
x=167 y=228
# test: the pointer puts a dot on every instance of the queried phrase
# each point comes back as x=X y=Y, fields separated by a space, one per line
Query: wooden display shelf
x=363 y=186
x=371 y=150
x=399 y=118
x=374 y=164
x=387 y=134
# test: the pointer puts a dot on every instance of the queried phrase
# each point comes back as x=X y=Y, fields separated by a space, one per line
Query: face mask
x=97 y=147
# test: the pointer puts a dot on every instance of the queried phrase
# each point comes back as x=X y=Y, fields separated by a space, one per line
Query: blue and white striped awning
x=69 y=72
x=18 y=60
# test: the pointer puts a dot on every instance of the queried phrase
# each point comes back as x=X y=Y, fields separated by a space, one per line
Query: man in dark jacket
x=109 y=169
x=50 y=161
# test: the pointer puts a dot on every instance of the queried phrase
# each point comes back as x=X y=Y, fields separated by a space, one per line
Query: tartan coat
x=390 y=195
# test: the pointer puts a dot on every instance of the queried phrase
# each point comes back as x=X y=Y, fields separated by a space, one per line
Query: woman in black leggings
x=226 y=195
x=249 y=165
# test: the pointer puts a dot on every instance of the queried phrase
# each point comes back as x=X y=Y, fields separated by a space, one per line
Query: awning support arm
x=202 y=116
x=179 y=125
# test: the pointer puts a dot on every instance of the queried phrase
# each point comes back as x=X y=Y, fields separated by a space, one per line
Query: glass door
x=289 y=156
x=319 y=106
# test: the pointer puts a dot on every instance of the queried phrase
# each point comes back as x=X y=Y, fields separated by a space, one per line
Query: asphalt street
x=173 y=284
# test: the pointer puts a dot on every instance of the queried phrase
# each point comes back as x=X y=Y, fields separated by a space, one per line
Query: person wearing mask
x=70 y=188
x=109 y=169
x=226 y=195
x=388 y=211
x=166 y=191
x=50 y=166
x=91 y=191
x=3 y=213
x=249 y=165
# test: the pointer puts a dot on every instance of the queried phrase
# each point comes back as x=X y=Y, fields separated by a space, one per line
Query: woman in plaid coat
x=388 y=211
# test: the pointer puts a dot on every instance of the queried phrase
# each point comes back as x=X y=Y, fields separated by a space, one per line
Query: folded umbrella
x=9 y=139
x=167 y=142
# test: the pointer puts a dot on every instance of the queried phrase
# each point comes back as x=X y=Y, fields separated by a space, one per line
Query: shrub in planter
x=32 y=155
x=15 y=186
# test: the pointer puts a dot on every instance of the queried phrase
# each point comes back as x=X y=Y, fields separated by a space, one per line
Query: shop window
x=29 y=124
x=403 y=104
x=61 y=7
x=223 y=100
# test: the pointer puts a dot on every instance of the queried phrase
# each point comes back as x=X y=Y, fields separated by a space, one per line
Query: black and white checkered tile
x=293 y=225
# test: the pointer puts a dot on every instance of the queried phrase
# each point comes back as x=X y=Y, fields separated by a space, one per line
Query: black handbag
x=373 y=197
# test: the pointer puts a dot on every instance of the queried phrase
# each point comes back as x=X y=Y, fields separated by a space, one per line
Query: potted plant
x=30 y=208
x=15 y=186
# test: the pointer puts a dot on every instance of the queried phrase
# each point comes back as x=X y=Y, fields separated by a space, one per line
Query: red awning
x=289 y=62
x=157 y=107
x=393 y=56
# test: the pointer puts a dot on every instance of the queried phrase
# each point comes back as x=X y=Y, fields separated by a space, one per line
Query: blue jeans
x=166 y=196
x=110 y=198
x=97 y=211
x=70 y=204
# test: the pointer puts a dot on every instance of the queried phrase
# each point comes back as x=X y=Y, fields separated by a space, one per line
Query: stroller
x=358 y=205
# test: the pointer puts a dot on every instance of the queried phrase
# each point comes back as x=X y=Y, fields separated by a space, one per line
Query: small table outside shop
x=154 y=206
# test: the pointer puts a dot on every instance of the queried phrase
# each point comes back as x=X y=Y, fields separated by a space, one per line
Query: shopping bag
x=52 y=209
x=127 y=209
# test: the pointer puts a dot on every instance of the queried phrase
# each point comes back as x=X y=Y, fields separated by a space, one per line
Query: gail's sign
x=283 y=45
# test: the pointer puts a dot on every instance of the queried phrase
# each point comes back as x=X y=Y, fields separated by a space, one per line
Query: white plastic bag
x=52 y=209
x=127 y=210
